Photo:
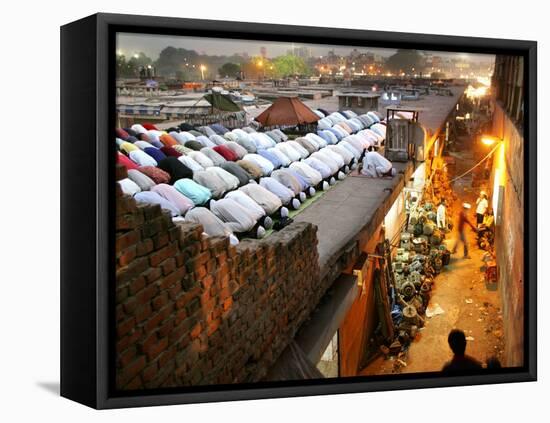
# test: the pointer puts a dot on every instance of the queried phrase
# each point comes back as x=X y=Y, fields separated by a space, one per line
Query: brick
x=144 y=247
x=200 y=272
x=159 y=317
x=193 y=306
x=151 y=211
x=159 y=256
x=211 y=265
x=126 y=326
x=151 y=227
x=160 y=240
x=150 y=340
x=189 y=282
x=174 y=291
x=129 y=339
x=207 y=282
x=136 y=285
x=152 y=274
x=150 y=372
x=146 y=294
x=160 y=301
x=134 y=384
x=143 y=313
x=129 y=372
x=185 y=298
x=168 y=266
x=196 y=330
x=124 y=240
x=172 y=279
x=127 y=356
x=167 y=357
x=133 y=270
x=200 y=311
x=167 y=326
x=128 y=221
x=121 y=294
x=227 y=304
x=180 y=334
x=155 y=350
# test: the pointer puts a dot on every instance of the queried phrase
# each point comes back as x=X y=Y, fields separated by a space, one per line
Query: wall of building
x=361 y=320
x=193 y=310
x=509 y=234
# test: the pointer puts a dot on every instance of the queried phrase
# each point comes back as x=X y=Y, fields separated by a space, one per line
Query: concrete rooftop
x=348 y=207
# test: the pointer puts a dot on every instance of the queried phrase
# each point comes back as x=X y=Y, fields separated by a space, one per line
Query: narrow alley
x=460 y=299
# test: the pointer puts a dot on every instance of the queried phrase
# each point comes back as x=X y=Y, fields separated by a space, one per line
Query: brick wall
x=509 y=237
x=193 y=310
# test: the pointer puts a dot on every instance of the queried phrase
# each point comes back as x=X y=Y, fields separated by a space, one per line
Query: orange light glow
x=489 y=140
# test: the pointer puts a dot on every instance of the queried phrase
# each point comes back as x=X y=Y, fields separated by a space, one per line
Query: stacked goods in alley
x=404 y=283
x=440 y=189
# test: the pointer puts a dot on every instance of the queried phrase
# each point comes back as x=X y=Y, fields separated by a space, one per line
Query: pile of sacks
x=421 y=255
x=233 y=182
x=441 y=189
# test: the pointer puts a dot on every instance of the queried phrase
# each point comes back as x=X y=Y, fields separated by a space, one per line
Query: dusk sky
x=152 y=45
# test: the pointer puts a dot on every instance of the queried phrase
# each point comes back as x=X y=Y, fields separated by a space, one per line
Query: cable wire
x=476 y=165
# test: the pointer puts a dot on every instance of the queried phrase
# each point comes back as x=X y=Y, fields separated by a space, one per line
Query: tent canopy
x=222 y=102
x=287 y=111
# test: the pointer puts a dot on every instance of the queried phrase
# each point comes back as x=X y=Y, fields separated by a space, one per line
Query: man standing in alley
x=482 y=205
x=463 y=220
x=460 y=362
x=441 y=215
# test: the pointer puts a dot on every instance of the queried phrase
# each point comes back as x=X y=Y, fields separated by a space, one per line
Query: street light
x=489 y=140
x=203 y=68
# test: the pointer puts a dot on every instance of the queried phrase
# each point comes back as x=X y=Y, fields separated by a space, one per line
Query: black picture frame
x=87 y=175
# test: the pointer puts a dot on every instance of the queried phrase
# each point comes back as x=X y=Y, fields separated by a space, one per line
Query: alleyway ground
x=468 y=303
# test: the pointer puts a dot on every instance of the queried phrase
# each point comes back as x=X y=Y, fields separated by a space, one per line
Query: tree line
x=184 y=64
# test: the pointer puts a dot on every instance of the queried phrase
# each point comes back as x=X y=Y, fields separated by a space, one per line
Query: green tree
x=230 y=70
x=290 y=65
x=175 y=60
x=406 y=61
x=258 y=67
x=122 y=66
x=131 y=68
x=139 y=60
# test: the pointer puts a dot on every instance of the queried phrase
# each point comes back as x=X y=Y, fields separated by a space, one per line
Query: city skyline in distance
x=151 y=45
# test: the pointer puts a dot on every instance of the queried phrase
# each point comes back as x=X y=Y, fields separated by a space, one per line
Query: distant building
x=302 y=52
x=359 y=102
x=263 y=51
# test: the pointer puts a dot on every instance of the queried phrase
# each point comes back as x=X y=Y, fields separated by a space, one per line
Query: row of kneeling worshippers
x=339 y=125
x=231 y=183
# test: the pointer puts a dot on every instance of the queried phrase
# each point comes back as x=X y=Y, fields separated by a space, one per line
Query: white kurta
x=375 y=165
x=441 y=217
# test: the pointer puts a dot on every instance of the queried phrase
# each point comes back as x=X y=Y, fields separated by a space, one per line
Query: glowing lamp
x=489 y=140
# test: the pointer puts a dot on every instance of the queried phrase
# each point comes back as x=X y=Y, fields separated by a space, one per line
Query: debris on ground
x=434 y=310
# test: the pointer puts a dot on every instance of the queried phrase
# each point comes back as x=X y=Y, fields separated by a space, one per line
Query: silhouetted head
x=493 y=363
x=457 y=341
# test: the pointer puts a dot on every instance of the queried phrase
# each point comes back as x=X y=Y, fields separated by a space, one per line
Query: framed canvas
x=259 y=211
